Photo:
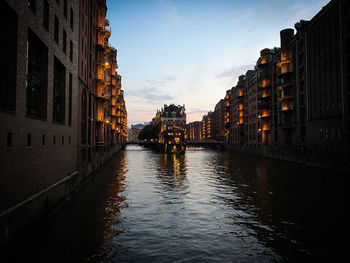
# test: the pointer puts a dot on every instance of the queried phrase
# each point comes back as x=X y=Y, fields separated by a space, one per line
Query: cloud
x=160 y=81
x=235 y=71
x=170 y=12
x=151 y=94
x=195 y=111
x=243 y=13
x=304 y=11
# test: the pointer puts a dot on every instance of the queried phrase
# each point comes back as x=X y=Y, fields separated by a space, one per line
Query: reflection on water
x=207 y=206
x=203 y=206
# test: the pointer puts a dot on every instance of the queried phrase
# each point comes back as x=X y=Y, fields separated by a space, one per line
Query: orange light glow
x=265 y=127
x=264 y=82
x=265 y=113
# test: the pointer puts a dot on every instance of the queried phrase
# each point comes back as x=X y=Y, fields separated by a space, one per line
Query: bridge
x=207 y=143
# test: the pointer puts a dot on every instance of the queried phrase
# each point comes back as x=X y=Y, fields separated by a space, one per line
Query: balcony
x=283 y=62
x=240 y=121
x=263 y=63
x=284 y=86
x=285 y=97
x=264 y=83
x=100 y=119
x=264 y=104
x=100 y=77
x=285 y=73
x=100 y=95
x=104 y=65
x=286 y=106
x=264 y=95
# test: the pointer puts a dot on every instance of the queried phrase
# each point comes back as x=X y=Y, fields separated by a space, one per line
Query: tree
x=149 y=132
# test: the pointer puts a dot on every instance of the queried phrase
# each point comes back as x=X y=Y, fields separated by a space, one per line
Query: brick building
x=251 y=113
x=39 y=91
x=171 y=120
x=207 y=126
x=133 y=134
x=57 y=125
x=237 y=112
x=102 y=111
x=322 y=71
x=267 y=100
x=227 y=117
x=194 y=131
x=299 y=94
x=218 y=121
x=39 y=86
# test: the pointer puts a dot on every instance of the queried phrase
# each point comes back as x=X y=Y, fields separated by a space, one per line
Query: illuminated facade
x=219 y=121
x=172 y=124
x=103 y=117
x=266 y=72
x=207 y=126
x=295 y=102
x=286 y=90
x=133 y=134
x=238 y=112
x=194 y=131
x=59 y=98
x=227 y=117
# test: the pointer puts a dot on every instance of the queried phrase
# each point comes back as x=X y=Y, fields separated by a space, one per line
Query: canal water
x=203 y=206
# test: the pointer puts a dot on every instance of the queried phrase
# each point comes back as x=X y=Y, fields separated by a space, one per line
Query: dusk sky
x=191 y=51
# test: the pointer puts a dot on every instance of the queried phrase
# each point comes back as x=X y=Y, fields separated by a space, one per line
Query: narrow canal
x=203 y=206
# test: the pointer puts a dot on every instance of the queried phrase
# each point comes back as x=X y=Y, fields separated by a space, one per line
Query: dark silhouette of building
x=38 y=102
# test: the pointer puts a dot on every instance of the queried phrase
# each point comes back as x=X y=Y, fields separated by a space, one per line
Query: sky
x=191 y=51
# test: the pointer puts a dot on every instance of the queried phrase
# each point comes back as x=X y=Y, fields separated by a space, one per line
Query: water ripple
x=203 y=206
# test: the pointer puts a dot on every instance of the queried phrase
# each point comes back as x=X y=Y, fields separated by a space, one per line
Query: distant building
x=194 y=131
x=172 y=124
x=227 y=117
x=237 y=112
x=219 y=121
x=207 y=126
x=139 y=125
x=251 y=111
x=133 y=134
